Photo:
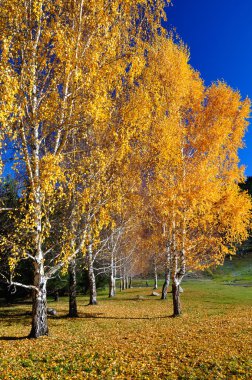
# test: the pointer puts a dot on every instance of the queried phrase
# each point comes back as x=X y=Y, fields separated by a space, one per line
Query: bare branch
x=7 y=209
x=14 y=283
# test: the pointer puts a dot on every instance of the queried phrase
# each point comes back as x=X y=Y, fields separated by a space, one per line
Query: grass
x=238 y=269
x=128 y=338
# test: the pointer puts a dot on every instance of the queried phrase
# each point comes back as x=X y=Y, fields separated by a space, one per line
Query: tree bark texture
x=112 y=281
x=178 y=272
x=155 y=273
x=112 y=287
x=73 y=313
x=155 y=282
x=91 y=278
x=165 y=285
x=176 y=299
x=39 y=306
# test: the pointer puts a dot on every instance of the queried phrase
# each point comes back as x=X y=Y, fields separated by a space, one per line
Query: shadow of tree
x=11 y=314
x=102 y=316
x=13 y=337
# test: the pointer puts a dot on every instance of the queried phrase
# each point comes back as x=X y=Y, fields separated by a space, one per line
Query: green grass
x=128 y=338
x=236 y=270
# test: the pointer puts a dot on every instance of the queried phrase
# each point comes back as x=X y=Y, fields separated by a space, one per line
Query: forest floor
x=133 y=336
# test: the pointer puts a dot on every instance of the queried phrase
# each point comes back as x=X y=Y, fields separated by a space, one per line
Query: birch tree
x=59 y=61
x=192 y=140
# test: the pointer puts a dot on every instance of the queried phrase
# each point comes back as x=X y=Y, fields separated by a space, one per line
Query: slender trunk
x=166 y=284
x=120 y=279
x=112 y=288
x=130 y=282
x=91 y=277
x=121 y=284
x=39 y=305
x=32 y=161
x=167 y=271
x=155 y=277
x=112 y=284
x=179 y=271
x=179 y=259
x=176 y=299
x=155 y=273
x=72 y=289
x=155 y=282
x=127 y=282
x=177 y=277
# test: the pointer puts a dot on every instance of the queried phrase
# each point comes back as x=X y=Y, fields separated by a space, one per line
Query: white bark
x=91 y=277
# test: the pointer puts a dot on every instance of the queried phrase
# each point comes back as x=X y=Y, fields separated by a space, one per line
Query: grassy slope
x=238 y=270
x=126 y=338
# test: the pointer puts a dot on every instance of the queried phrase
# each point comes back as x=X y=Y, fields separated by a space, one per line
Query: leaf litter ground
x=134 y=337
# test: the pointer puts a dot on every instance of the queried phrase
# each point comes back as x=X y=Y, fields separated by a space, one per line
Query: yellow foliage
x=192 y=140
x=51 y=174
x=106 y=120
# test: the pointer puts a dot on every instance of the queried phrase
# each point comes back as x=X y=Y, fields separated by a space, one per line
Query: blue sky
x=219 y=36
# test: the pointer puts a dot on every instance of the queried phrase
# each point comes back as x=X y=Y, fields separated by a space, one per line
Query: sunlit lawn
x=128 y=338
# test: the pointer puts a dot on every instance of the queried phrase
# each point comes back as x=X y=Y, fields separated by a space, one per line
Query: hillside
x=236 y=270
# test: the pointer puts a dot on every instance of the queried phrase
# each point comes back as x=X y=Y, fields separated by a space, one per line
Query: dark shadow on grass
x=16 y=303
x=145 y=298
x=101 y=316
x=10 y=315
x=129 y=318
x=13 y=337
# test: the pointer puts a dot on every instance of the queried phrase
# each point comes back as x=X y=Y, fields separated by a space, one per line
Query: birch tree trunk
x=130 y=282
x=123 y=282
x=155 y=276
x=73 y=313
x=176 y=299
x=39 y=305
x=32 y=161
x=112 y=287
x=167 y=272
x=180 y=269
x=91 y=278
x=166 y=284
x=177 y=277
x=127 y=282
x=179 y=259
